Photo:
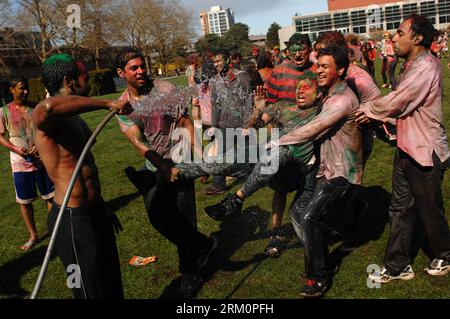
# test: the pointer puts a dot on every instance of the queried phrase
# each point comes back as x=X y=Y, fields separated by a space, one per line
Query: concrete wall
x=284 y=34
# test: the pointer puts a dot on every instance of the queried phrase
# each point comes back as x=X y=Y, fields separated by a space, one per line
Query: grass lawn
x=237 y=268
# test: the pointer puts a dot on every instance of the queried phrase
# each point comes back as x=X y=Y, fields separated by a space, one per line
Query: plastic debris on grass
x=141 y=261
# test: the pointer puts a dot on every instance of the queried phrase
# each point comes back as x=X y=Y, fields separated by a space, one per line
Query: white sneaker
x=438 y=267
x=384 y=276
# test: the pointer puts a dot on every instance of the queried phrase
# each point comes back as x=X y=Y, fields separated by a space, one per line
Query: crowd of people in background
x=324 y=99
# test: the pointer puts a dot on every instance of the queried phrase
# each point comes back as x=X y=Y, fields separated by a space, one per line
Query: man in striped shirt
x=281 y=86
x=285 y=76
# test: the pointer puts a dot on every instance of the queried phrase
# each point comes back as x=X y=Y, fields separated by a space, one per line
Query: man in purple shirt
x=421 y=158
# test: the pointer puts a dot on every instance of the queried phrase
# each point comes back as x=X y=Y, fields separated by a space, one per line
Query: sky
x=259 y=14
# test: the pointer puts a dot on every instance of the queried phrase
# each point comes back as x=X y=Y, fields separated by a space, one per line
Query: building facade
x=334 y=5
x=219 y=20
x=375 y=17
x=204 y=22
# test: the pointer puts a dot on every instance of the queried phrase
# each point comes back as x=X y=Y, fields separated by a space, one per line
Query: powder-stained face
x=306 y=93
x=299 y=54
x=404 y=40
x=135 y=73
x=327 y=72
x=20 y=91
x=82 y=86
x=220 y=64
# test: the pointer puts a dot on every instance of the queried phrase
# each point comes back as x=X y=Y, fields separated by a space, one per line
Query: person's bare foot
x=29 y=244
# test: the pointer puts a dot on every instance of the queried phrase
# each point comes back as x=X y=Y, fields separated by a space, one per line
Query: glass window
x=409 y=8
x=444 y=8
x=360 y=29
x=341 y=20
x=392 y=13
x=359 y=18
x=428 y=9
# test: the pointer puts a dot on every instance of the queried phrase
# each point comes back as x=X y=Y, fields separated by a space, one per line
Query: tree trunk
x=148 y=65
x=97 y=58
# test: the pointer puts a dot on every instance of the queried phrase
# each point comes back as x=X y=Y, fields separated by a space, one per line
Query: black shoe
x=332 y=270
x=314 y=288
x=231 y=205
x=275 y=246
x=190 y=285
x=203 y=255
x=140 y=180
x=333 y=237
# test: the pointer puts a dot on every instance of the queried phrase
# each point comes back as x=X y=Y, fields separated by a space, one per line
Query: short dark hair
x=350 y=52
x=125 y=55
x=264 y=60
x=331 y=38
x=55 y=68
x=208 y=72
x=299 y=38
x=339 y=55
x=421 y=25
x=236 y=55
x=16 y=79
x=224 y=53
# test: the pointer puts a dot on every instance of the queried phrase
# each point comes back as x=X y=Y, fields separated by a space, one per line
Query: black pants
x=416 y=198
x=308 y=219
x=224 y=147
x=171 y=210
x=86 y=238
x=287 y=177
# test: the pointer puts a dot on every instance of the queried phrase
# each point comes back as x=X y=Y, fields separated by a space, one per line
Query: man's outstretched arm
x=65 y=106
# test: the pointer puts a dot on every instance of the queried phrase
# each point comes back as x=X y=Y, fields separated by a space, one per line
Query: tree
x=210 y=42
x=236 y=39
x=5 y=9
x=272 y=38
x=96 y=27
x=161 y=26
x=39 y=15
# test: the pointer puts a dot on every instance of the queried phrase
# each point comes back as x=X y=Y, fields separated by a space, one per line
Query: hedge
x=101 y=82
x=37 y=90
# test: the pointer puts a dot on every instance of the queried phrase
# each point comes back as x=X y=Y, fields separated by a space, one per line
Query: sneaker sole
x=440 y=273
x=384 y=281
x=317 y=294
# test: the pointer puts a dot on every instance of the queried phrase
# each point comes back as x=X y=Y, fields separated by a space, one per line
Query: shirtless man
x=86 y=235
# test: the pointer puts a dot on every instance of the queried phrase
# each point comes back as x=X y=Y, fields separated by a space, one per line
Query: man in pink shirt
x=422 y=154
x=340 y=167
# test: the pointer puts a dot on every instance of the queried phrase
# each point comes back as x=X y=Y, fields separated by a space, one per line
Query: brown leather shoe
x=214 y=190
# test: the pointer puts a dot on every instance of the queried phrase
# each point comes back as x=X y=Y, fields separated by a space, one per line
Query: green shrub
x=37 y=90
x=101 y=82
